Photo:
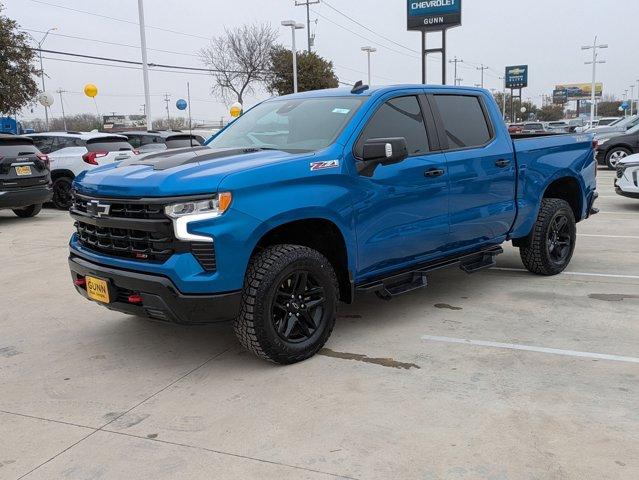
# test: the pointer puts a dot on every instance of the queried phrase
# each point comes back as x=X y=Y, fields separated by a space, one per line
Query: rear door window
x=44 y=144
x=464 y=121
x=398 y=117
x=108 y=144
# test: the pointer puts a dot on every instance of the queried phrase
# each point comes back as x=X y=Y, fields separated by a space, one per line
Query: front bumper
x=25 y=196
x=160 y=299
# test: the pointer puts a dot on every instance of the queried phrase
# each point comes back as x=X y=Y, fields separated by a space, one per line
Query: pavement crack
x=384 y=362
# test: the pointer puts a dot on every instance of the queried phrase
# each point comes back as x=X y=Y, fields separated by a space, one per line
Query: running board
x=409 y=280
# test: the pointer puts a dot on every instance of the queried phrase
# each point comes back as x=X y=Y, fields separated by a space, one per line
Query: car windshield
x=296 y=125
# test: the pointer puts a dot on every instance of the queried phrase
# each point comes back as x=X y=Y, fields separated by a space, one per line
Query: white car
x=627 y=182
x=71 y=153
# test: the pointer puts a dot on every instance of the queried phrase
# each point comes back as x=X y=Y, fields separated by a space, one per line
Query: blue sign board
x=517 y=76
x=433 y=14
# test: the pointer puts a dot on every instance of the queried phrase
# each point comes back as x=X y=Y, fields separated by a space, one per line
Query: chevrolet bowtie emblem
x=97 y=209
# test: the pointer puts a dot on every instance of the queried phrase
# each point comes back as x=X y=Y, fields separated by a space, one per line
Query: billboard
x=517 y=76
x=433 y=14
x=559 y=97
x=578 y=91
x=121 y=123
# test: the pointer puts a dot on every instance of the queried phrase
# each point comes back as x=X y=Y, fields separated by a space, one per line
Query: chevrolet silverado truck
x=311 y=199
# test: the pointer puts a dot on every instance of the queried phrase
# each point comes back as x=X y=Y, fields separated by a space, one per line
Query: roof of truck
x=372 y=90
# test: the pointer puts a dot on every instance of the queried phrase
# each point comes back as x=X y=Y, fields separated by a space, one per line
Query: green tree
x=609 y=109
x=18 y=87
x=82 y=122
x=550 y=113
x=314 y=72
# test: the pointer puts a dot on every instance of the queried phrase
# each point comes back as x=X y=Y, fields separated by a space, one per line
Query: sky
x=545 y=34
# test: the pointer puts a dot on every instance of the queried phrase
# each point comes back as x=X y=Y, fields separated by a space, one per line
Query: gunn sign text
x=433 y=14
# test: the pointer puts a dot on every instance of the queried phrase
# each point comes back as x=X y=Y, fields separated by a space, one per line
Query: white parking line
x=607 y=236
x=528 y=348
x=582 y=274
x=620 y=213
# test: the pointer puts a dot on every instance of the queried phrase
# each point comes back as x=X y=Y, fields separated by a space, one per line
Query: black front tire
x=553 y=239
x=62 y=198
x=269 y=326
x=27 y=212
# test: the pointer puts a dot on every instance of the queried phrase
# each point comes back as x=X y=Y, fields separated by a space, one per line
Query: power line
x=369 y=29
x=131 y=22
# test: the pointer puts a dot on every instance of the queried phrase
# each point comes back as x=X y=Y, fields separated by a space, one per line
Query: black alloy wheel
x=298 y=307
x=559 y=242
x=62 y=196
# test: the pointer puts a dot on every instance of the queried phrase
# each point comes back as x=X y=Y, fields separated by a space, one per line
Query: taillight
x=90 y=157
x=45 y=159
x=136 y=151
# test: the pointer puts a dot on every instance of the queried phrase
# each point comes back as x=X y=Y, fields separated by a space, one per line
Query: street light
x=368 y=51
x=145 y=67
x=294 y=26
x=40 y=43
x=593 y=98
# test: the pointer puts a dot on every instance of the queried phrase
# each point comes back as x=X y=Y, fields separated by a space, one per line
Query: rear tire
x=62 y=198
x=614 y=155
x=289 y=304
x=552 y=242
x=27 y=212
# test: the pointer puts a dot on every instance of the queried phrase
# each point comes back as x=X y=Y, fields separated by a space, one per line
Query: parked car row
x=613 y=147
x=627 y=181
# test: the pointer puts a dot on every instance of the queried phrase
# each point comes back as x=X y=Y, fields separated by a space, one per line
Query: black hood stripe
x=184 y=156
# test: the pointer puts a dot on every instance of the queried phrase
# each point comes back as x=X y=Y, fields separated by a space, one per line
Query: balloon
x=236 y=110
x=90 y=90
x=181 y=104
x=45 y=99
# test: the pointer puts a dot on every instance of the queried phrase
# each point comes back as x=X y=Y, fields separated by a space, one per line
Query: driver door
x=401 y=211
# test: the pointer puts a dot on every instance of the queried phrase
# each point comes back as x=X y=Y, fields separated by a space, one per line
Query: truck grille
x=133 y=229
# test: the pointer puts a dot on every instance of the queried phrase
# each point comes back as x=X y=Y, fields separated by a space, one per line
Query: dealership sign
x=433 y=14
x=577 y=91
x=517 y=76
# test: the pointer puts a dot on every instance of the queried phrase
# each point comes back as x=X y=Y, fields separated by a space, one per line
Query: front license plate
x=23 y=170
x=98 y=289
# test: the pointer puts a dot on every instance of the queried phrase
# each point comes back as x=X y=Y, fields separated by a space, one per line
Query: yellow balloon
x=236 y=110
x=90 y=90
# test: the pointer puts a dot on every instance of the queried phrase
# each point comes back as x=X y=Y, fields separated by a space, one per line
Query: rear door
x=481 y=169
x=21 y=164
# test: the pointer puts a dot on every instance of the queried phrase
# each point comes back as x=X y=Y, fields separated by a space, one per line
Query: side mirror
x=382 y=151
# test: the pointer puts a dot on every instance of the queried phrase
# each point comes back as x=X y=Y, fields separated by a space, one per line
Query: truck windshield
x=299 y=125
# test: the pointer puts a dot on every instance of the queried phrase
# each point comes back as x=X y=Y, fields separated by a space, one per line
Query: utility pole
x=145 y=66
x=294 y=26
x=455 y=61
x=167 y=99
x=40 y=43
x=307 y=4
x=625 y=98
x=593 y=97
x=482 y=68
x=64 y=118
x=503 y=108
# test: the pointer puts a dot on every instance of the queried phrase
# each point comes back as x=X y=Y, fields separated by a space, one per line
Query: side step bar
x=409 y=280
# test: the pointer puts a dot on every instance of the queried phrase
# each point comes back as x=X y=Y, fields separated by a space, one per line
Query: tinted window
x=135 y=141
x=14 y=148
x=181 y=142
x=399 y=117
x=464 y=120
x=108 y=144
x=44 y=144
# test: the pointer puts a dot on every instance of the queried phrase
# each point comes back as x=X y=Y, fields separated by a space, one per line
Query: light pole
x=503 y=108
x=593 y=97
x=294 y=26
x=632 y=99
x=40 y=43
x=368 y=51
x=145 y=66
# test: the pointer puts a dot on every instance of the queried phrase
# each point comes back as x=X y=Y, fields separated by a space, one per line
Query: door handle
x=502 y=163
x=434 y=172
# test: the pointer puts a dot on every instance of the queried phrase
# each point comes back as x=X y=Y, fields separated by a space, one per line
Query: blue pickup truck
x=310 y=199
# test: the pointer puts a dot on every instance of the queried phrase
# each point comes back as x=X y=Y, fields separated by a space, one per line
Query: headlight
x=602 y=141
x=216 y=205
x=195 y=211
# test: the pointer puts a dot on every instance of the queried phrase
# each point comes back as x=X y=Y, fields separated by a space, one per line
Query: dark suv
x=25 y=179
x=155 y=140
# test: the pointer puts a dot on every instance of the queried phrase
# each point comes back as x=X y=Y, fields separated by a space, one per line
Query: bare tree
x=239 y=60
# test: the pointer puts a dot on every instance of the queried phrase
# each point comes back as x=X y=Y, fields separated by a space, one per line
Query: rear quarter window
x=107 y=144
x=464 y=121
x=181 y=142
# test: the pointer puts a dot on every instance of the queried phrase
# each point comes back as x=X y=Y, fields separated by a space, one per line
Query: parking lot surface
x=498 y=375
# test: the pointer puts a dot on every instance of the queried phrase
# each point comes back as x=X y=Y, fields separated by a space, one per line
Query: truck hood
x=185 y=171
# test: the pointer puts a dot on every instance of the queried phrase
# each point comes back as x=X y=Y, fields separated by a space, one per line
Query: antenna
x=359 y=87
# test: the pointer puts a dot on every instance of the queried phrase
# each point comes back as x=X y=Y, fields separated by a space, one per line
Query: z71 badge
x=324 y=165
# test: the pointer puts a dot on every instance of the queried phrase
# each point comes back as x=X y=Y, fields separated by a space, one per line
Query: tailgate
x=23 y=170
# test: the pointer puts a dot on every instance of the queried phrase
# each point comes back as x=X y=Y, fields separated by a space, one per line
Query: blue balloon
x=181 y=104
